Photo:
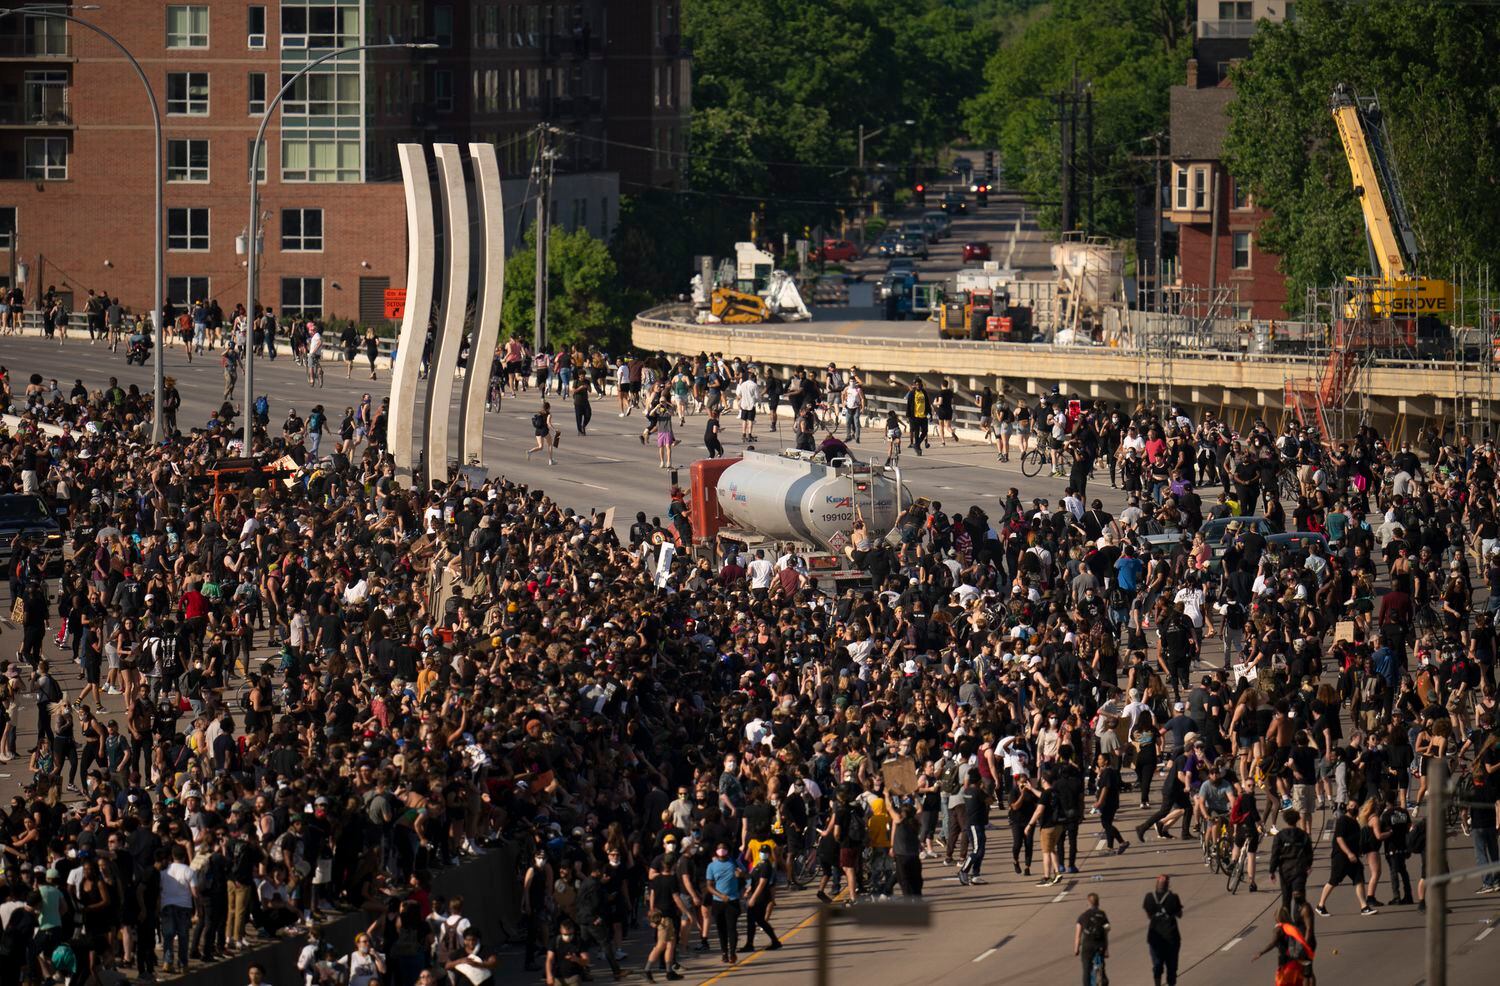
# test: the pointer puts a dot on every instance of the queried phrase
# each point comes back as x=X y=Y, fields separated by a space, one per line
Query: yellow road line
x=761 y=951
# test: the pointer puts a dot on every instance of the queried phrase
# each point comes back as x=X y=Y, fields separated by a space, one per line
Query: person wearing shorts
x=1344 y=860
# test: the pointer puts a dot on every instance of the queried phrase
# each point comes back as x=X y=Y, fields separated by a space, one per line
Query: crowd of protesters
x=313 y=691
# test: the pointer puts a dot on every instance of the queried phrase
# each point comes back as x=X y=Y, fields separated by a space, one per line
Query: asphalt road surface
x=1008 y=931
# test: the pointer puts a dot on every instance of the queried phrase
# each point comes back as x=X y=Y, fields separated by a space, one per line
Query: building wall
x=1261 y=288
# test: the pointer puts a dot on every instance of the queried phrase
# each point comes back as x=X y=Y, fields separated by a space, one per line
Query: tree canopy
x=1438 y=95
x=1129 y=53
x=585 y=302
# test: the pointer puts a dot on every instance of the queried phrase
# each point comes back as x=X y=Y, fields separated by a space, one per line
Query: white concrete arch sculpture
x=443 y=365
x=490 y=234
x=420 y=239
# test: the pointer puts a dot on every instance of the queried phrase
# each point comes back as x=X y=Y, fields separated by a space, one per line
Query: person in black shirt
x=567 y=955
x=1163 y=937
x=1107 y=801
x=977 y=818
x=1397 y=820
x=1344 y=861
x=758 y=901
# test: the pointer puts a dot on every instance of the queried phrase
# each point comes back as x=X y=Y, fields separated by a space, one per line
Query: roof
x=1200 y=118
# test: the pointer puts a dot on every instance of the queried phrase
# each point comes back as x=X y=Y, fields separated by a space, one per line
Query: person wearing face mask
x=364 y=963
x=664 y=913
x=592 y=907
x=726 y=883
x=567 y=957
x=731 y=790
x=536 y=887
x=758 y=903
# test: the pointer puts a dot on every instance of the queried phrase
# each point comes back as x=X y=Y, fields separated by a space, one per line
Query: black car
x=954 y=204
x=26 y=516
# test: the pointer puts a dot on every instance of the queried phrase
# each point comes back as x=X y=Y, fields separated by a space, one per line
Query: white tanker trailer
x=795 y=499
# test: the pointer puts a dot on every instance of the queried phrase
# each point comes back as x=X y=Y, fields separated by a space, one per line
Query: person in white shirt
x=747 y=394
x=178 y=888
x=760 y=571
x=854 y=407
x=364 y=963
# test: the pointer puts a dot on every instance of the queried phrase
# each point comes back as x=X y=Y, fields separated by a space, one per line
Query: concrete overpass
x=1240 y=385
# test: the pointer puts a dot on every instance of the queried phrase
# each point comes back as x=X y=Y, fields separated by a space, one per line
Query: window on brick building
x=255 y=29
x=1181 y=189
x=442 y=90
x=1241 y=251
x=47 y=158
x=260 y=159
x=7 y=227
x=1200 y=189
x=187 y=26
x=302 y=229
x=187 y=160
x=1241 y=197
x=302 y=296
x=183 y=291
x=256 y=88
x=187 y=93
x=187 y=228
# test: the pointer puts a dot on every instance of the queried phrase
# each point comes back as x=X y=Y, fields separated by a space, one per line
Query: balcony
x=36 y=46
x=52 y=111
x=1226 y=29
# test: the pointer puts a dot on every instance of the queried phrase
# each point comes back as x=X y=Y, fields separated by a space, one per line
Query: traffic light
x=989 y=165
x=982 y=194
x=921 y=192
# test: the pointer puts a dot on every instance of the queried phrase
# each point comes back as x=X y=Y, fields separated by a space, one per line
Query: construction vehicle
x=981 y=313
x=1397 y=292
x=737 y=307
x=1393 y=312
x=796 y=502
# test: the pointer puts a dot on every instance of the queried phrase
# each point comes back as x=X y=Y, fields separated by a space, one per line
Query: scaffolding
x=1191 y=328
x=1476 y=340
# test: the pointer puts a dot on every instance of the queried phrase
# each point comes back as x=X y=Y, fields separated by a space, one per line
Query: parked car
x=943 y=221
x=955 y=204
x=911 y=245
x=838 y=251
x=1295 y=546
x=1219 y=533
x=976 y=251
x=26 y=516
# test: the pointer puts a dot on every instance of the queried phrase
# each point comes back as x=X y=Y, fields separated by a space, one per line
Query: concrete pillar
x=421 y=241
x=490 y=234
x=450 y=329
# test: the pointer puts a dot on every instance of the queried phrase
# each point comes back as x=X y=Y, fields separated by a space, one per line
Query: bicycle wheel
x=1236 y=875
x=1031 y=463
x=1096 y=971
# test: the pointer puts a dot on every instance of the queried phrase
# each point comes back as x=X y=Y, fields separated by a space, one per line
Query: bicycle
x=1097 y=975
x=1237 y=870
x=315 y=371
x=1218 y=845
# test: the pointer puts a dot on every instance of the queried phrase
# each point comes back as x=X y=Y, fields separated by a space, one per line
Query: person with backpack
x=1091 y=942
x=1163 y=937
x=1295 y=942
x=541 y=428
x=242 y=857
x=1291 y=858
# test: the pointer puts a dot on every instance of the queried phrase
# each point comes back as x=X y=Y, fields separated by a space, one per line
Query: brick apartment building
x=1216 y=220
x=76 y=139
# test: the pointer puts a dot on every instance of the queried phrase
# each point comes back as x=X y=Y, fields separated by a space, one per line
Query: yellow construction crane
x=1396 y=292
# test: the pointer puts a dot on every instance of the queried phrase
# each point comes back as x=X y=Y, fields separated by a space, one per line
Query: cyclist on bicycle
x=1244 y=816
x=1211 y=806
x=1091 y=942
x=314 y=351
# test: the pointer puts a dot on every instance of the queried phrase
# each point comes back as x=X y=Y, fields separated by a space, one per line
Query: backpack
x=538 y=421
x=859 y=828
x=1095 y=927
x=948 y=782
x=262 y=406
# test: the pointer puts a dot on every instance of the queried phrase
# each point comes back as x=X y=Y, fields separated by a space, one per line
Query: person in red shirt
x=193 y=608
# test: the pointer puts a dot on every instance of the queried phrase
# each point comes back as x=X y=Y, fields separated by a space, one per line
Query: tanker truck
x=793 y=500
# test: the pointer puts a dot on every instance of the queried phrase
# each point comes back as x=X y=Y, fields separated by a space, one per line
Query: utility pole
x=1156 y=209
x=1088 y=129
x=543 y=175
x=1437 y=870
x=1064 y=105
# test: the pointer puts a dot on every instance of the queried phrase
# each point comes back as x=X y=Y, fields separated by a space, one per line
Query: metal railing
x=36 y=45
x=1226 y=29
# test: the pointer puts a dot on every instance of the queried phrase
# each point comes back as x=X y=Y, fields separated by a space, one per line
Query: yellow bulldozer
x=738 y=307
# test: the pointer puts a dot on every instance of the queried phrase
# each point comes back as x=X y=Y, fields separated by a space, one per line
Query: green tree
x=1129 y=52
x=585 y=304
x=1421 y=57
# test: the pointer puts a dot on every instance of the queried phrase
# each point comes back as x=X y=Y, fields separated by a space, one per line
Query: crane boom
x=1392 y=243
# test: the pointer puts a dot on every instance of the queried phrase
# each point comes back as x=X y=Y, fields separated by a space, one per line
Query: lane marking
x=594 y=486
x=1485 y=933
x=985 y=954
x=1060 y=895
x=800 y=926
x=1232 y=942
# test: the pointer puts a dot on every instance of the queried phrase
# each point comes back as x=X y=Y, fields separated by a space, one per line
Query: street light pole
x=253 y=228
x=862 y=138
x=49 y=10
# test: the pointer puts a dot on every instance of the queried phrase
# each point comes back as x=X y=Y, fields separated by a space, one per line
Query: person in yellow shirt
x=426 y=678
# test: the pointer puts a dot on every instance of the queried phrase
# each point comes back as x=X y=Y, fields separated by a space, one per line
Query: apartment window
x=187 y=93
x=187 y=160
x=7 y=227
x=302 y=295
x=442 y=90
x=320 y=25
x=319 y=160
x=1241 y=197
x=1241 y=251
x=256 y=87
x=322 y=94
x=187 y=26
x=1235 y=10
x=183 y=291
x=187 y=229
x=1182 y=190
x=442 y=26
x=302 y=229
x=1200 y=189
x=47 y=158
x=255 y=29
x=1290 y=12
x=260 y=159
